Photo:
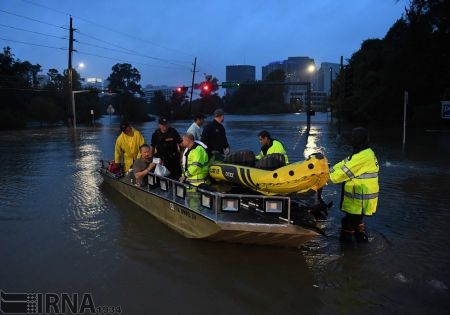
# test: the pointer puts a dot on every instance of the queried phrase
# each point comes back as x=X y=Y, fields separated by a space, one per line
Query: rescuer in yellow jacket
x=359 y=196
x=127 y=145
x=270 y=146
x=195 y=161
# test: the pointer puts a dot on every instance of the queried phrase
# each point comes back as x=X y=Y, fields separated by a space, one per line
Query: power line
x=122 y=60
x=109 y=29
x=126 y=52
x=29 y=31
x=129 y=51
x=32 y=19
x=32 y=44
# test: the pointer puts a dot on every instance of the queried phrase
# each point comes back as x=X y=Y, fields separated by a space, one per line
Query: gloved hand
x=226 y=151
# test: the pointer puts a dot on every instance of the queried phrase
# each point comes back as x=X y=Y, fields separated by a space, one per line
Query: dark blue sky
x=218 y=33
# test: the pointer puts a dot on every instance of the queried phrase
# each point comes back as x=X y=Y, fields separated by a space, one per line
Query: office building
x=239 y=74
x=149 y=92
x=326 y=74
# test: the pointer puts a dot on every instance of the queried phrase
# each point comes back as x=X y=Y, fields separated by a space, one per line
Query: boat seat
x=271 y=162
x=243 y=157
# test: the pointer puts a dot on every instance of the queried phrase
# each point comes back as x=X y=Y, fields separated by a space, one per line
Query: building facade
x=239 y=74
x=326 y=74
x=149 y=92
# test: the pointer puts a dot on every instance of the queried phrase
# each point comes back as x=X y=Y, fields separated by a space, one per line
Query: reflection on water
x=63 y=230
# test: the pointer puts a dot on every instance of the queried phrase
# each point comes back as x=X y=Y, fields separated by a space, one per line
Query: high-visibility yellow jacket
x=275 y=146
x=360 y=174
x=128 y=147
x=196 y=167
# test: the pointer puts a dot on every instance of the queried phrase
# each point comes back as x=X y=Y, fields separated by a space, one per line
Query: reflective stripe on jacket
x=129 y=147
x=196 y=167
x=275 y=147
x=360 y=174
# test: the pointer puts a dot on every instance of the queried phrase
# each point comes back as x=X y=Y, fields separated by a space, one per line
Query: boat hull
x=193 y=224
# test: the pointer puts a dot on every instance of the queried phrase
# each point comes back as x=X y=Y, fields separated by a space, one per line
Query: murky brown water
x=62 y=230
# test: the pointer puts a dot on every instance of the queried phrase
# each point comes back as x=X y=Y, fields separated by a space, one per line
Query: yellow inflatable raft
x=298 y=177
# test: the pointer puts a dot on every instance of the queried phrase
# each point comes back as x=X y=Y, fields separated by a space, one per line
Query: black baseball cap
x=163 y=121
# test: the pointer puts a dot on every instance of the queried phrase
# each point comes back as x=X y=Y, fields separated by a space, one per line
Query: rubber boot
x=360 y=234
x=346 y=236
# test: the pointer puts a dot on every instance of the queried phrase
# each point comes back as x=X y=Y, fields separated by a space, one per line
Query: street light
x=311 y=69
x=73 y=106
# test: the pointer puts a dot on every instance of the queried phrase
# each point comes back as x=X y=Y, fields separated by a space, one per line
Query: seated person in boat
x=127 y=145
x=195 y=161
x=143 y=165
x=270 y=146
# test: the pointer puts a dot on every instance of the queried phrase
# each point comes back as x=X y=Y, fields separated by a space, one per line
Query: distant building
x=93 y=83
x=326 y=72
x=149 y=92
x=296 y=69
x=239 y=74
x=318 y=99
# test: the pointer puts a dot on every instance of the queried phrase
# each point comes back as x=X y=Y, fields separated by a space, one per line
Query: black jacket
x=214 y=137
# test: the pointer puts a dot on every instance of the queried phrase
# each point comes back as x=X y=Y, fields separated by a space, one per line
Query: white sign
x=92 y=112
x=445 y=109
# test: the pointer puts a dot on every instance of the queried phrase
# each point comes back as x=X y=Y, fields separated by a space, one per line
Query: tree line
x=414 y=57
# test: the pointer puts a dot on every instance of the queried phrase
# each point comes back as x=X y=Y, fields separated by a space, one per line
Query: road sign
x=445 y=109
x=229 y=84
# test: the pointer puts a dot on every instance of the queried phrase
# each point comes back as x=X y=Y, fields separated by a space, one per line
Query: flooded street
x=62 y=230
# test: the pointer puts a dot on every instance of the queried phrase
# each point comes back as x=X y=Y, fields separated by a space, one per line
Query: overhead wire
x=126 y=50
x=33 y=19
x=109 y=28
x=30 y=31
x=123 y=60
x=32 y=44
x=122 y=49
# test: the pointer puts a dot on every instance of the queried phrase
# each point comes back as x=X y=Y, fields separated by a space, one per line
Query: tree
x=414 y=56
x=125 y=79
x=161 y=105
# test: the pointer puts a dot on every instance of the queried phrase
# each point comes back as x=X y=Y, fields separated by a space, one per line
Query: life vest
x=274 y=146
x=195 y=166
x=359 y=173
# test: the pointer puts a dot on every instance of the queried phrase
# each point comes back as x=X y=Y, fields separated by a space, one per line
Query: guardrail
x=223 y=202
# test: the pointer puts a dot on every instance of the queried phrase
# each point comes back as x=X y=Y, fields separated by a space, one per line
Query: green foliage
x=413 y=56
x=124 y=78
x=124 y=81
x=254 y=99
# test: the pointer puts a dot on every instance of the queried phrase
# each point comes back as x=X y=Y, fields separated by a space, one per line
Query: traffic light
x=181 y=89
x=205 y=89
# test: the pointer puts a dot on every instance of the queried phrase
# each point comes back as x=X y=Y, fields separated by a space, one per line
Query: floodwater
x=62 y=230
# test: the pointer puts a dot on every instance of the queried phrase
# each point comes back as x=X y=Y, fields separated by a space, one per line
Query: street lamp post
x=73 y=106
x=311 y=68
x=308 y=113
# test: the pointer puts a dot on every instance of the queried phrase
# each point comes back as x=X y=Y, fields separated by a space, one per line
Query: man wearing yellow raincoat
x=127 y=144
x=358 y=174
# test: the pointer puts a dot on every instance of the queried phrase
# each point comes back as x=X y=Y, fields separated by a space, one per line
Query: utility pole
x=331 y=90
x=192 y=85
x=308 y=113
x=70 y=76
x=341 y=91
